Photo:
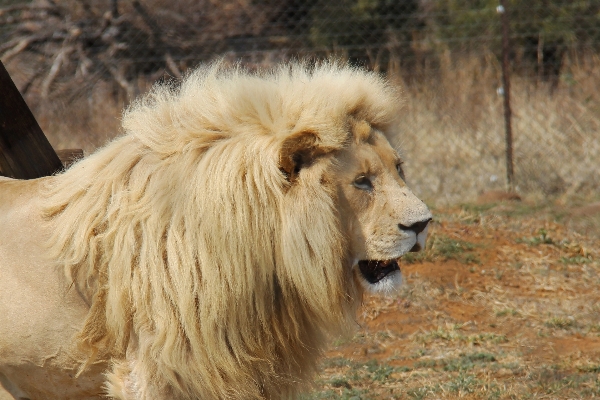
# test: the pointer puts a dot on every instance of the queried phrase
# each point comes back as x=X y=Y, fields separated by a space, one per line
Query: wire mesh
x=67 y=55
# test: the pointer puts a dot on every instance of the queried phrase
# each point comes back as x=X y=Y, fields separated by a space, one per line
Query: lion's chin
x=383 y=277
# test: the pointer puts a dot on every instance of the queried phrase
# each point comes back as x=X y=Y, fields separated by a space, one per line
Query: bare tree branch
x=24 y=6
x=84 y=61
x=150 y=22
x=54 y=70
x=114 y=8
x=25 y=88
x=78 y=44
x=22 y=45
x=11 y=43
x=120 y=79
x=173 y=66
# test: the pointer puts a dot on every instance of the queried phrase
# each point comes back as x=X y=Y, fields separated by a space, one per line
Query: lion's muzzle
x=417 y=228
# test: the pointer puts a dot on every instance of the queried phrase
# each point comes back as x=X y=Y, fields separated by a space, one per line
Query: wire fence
x=155 y=35
x=445 y=54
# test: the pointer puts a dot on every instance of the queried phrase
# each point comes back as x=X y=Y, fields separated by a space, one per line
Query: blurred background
x=78 y=63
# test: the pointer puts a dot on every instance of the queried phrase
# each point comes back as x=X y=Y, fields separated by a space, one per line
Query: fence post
x=25 y=153
x=510 y=176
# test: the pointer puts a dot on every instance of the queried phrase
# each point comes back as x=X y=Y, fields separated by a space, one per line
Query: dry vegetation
x=504 y=304
x=67 y=45
x=451 y=130
x=80 y=62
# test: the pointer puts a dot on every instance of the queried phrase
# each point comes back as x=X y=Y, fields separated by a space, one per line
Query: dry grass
x=522 y=324
x=86 y=123
x=451 y=131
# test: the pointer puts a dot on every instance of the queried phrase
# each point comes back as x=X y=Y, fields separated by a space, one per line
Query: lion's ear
x=297 y=152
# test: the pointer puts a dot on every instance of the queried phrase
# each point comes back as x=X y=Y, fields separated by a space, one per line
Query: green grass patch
x=541 y=238
x=338 y=382
x=462 y=363
x=336 y=362
x=555 y=382
x=347 y=394
x=422 y=392
x=560 y=323
x=425 y=364
x=507 y=312
x=575 y=260
x=594 y=369
x=455 y=335
x=377 y=372
x=468 y=361
x=463 y=384
x=351 y=375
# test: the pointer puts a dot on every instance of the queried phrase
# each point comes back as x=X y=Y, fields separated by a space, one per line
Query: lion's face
x=381 y=217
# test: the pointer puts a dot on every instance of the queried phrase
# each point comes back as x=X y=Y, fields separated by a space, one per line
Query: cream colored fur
x=205 y=261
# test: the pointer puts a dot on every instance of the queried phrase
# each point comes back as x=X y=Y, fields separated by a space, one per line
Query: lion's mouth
x=375 y=270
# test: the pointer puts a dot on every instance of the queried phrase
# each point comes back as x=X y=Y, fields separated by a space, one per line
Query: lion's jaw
x=383 y=219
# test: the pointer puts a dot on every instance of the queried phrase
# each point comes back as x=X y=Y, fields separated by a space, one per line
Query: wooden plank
x=69 y=156
x=25 y=152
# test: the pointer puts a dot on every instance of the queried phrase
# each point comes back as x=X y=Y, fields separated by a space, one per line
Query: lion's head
x=382 y=218
x=234 y=227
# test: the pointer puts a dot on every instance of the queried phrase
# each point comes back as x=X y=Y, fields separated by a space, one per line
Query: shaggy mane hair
x=192 y=246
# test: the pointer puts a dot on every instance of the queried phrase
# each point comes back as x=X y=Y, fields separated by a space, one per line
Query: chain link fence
x=79 y=61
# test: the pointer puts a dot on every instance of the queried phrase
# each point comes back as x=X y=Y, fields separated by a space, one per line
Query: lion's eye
x=363 y=183
x=400 y=170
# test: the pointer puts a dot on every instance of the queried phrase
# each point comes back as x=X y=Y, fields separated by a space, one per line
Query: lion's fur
x=192 y=247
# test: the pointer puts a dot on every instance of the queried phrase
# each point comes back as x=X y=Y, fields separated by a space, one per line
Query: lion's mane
x=186 y=238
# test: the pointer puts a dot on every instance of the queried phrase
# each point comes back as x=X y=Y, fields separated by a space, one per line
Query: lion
x=214 y=248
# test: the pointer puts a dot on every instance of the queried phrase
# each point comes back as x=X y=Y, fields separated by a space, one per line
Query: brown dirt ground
x=503 y=304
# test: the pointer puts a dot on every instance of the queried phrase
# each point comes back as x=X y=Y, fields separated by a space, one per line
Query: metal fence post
x=510 y=176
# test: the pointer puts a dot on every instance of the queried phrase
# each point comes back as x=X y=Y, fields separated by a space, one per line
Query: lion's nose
x=417 y=227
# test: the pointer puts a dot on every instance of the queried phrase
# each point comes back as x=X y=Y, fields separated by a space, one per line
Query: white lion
x=212 y=250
